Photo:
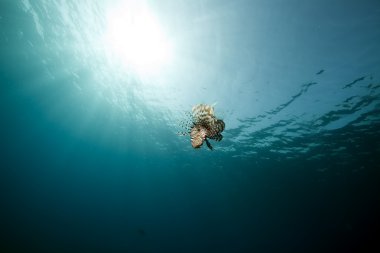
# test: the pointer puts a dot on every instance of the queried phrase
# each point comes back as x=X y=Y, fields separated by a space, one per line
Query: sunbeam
x=135 y=36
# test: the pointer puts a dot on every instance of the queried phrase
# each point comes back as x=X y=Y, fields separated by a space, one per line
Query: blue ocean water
x=93 y=94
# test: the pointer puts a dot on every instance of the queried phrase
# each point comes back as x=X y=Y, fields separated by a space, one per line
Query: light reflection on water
x=272 y=85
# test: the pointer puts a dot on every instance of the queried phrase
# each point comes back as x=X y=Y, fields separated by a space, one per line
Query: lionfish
x=204 y=125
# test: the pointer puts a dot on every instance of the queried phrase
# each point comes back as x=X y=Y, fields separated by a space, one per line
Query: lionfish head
x=198 y=135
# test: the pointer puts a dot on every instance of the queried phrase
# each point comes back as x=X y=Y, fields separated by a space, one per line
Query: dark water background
x=91 y=162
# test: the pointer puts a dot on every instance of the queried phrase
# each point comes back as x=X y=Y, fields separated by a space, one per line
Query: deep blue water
x=91 y=159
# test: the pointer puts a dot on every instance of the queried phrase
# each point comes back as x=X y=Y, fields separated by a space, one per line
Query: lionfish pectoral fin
x=208 y=144
x=217 y=137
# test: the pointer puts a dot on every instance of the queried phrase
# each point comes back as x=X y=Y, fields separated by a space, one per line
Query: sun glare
x=134 y=35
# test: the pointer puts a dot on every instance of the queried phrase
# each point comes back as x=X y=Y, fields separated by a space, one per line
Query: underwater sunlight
x=135 y=36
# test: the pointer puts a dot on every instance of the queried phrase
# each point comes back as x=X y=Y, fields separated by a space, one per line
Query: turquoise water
x=93 y=94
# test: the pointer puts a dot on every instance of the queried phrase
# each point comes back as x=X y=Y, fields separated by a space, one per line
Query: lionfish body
x=205 y=125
